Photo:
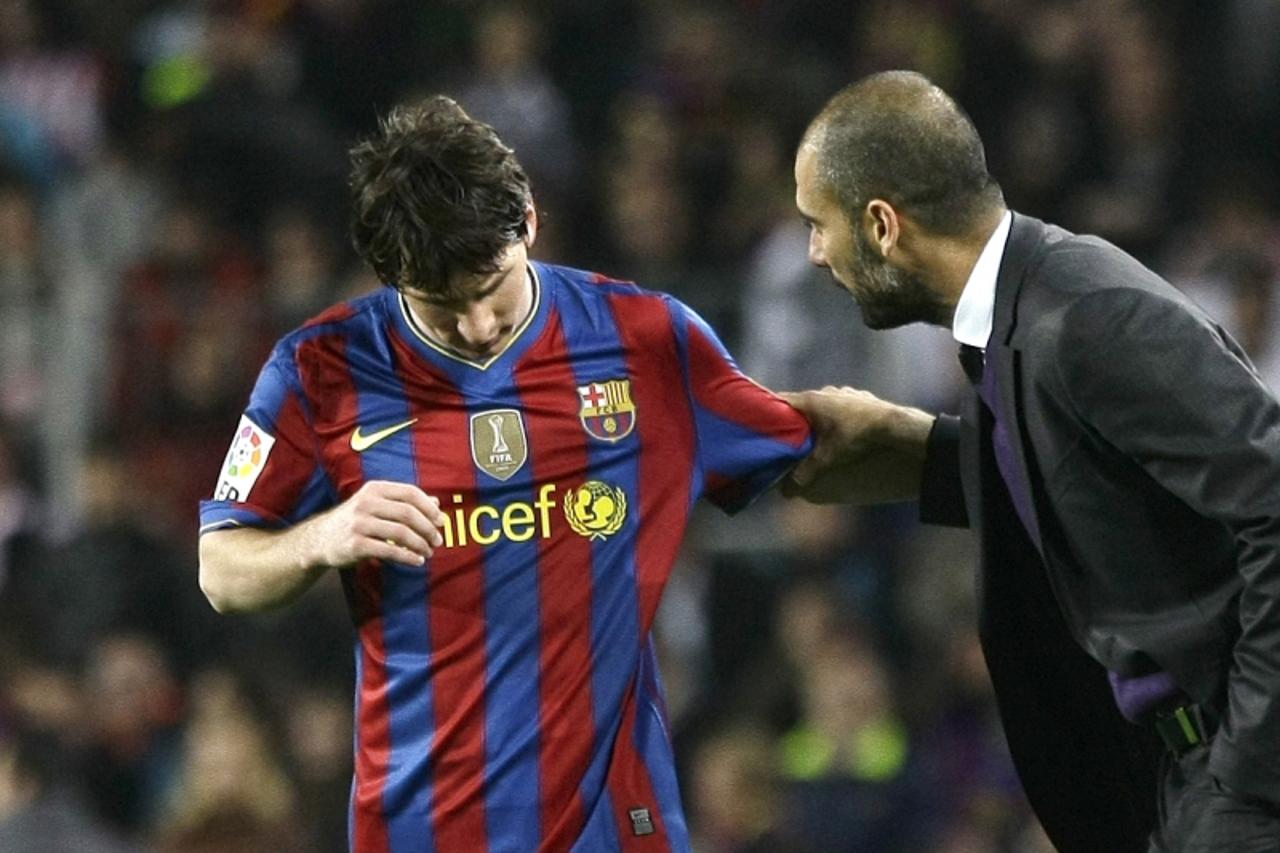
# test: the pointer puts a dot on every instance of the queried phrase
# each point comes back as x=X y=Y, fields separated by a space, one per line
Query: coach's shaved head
x=898 y=137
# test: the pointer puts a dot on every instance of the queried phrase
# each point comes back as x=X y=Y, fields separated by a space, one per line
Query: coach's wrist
x=905 y=429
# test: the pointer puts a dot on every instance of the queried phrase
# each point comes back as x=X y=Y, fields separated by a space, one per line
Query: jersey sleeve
x=747 y=436
x=272 y=476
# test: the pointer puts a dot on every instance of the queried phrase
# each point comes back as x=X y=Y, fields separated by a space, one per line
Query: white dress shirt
x=977 y=305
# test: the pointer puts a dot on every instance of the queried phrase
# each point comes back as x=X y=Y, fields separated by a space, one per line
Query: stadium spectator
x=225 y=77
x=358 y=57
x=735 y=793
x=98 y=225
x=51 y=98
x=652 y=221
x=26 y=312
x=509 y=87
x=38 y=813
x=20 y=540
x=232 y=792
x=973 y=788
x=1230 y=264
x=300 y=274
x=850 y=776
x=317 y=724
x=190 y=327
x=116 y=573
x=1130 y=191
x=131 y=760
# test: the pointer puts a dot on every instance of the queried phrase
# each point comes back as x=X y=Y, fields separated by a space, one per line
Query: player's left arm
x=747 y=437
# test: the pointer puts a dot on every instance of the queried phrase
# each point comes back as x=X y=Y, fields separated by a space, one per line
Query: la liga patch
x=245 y=461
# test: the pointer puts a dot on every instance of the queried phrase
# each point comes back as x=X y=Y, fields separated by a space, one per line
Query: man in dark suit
x=1119 y=459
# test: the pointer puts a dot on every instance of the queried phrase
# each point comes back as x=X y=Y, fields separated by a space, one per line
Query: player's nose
x=478 y=325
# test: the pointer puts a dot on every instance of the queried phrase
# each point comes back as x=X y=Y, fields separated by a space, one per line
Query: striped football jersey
x=507 y=695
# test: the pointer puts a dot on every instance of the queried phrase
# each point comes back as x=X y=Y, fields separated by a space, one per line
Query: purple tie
x=984 y=381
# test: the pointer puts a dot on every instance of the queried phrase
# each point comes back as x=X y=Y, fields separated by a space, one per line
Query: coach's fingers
x=795 y=399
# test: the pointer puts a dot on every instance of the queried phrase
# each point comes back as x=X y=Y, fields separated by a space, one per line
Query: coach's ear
x=882 y=226
x=530 y=226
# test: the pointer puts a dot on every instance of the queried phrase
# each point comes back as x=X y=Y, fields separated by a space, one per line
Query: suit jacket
x=1152 y=454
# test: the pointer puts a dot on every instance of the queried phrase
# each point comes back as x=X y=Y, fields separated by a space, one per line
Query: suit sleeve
x=1169 y=389
x=271 y=476
x=747 y=436
x=941 y=492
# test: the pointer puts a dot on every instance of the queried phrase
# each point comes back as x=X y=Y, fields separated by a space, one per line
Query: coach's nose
x=817 y=251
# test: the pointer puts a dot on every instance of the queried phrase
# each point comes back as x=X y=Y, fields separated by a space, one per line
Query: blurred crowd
x=172 y=200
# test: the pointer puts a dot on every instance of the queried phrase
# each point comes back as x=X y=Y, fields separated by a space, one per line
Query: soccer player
x=500 y=456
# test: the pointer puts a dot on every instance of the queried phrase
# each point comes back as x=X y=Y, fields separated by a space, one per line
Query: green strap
x=1188 y=729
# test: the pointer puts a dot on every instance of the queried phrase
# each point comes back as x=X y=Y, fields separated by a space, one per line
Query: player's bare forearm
x=247 y=569
x=868 y=450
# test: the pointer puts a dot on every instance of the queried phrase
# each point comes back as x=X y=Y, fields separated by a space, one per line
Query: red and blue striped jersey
x=507 y=696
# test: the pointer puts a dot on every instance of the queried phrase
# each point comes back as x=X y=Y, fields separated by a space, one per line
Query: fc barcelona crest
x=498 y=443
x=607 y=411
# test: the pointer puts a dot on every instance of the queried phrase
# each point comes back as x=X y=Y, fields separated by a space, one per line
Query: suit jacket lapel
x=1025 y=236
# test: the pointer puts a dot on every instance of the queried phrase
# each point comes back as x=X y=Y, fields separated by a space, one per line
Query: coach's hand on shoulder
x=383 y=520
x=867 y=450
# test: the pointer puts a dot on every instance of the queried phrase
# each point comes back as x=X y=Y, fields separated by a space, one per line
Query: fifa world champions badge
x=499 y=446
x=245 y=461
x=607 y=412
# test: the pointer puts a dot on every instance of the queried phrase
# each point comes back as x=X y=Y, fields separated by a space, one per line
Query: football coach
x=1118 y=458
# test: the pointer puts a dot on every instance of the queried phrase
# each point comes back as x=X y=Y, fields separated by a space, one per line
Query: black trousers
x=1197 y=815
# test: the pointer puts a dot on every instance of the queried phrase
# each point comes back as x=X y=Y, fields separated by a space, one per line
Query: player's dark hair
x=435 y=194
x=896 y=136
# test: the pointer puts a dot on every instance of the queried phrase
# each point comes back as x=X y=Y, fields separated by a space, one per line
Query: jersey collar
x=517 y=341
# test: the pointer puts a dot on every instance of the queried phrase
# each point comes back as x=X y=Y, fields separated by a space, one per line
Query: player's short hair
x=435 y=194
x=896 y=136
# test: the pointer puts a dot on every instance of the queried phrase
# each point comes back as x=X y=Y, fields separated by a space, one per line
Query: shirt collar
x=977 y=305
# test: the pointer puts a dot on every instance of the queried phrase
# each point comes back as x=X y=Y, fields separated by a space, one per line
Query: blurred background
x=172 y=200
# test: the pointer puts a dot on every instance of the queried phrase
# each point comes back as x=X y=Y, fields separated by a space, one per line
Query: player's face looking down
x=887 y=295
x=482 y=312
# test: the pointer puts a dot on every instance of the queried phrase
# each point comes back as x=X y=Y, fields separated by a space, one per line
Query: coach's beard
x=891 y=297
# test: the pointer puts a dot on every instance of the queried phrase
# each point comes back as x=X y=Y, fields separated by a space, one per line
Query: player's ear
x=530 y=226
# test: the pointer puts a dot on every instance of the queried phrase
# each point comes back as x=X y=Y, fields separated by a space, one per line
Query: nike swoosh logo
x=361 y=442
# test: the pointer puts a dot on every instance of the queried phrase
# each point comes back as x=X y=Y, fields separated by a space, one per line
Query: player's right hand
x=383 y=520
